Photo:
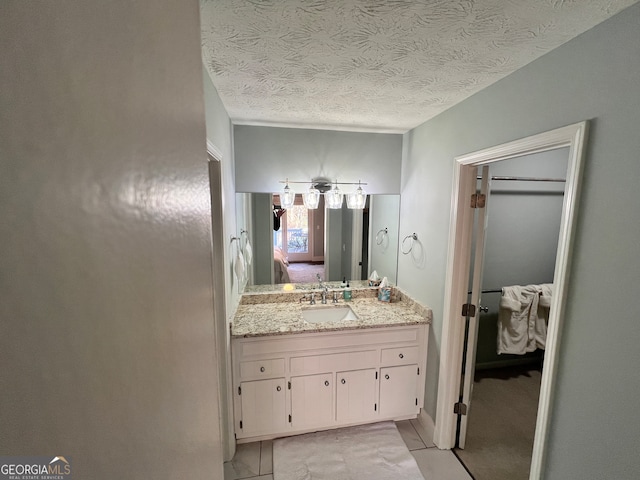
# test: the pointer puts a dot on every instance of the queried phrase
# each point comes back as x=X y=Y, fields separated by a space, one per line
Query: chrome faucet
x=320 y=283
x=325 y=291
x=309 y=296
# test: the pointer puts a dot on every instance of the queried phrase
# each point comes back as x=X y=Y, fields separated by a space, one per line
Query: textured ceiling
x=375 y=65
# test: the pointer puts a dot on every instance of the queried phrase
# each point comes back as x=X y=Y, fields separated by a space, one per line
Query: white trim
x=222 y=333
x=574 y=137
x=316 y=126
x=426 y=422
x=214 y=151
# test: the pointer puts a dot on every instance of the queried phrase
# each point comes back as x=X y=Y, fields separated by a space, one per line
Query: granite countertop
x=266 y=314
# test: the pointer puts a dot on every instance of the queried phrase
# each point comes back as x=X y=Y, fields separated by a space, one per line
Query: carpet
x=364 y=452
x=502 y=422
x=305 y=272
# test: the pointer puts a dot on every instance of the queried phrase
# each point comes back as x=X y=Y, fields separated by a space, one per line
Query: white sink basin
x=333 y=313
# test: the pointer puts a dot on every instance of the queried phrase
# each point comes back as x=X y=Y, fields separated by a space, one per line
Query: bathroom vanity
x=299 y=367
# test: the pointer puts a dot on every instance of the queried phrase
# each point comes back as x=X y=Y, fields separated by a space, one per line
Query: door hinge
x=289 y=418
x=375 y=407
x=289 y=385
x=418 y=370
x=478 y=200
x=460 y=408
x=416 y=402
x=468 y=310
x=239 y=390
x=240 y=423
x=376 y=375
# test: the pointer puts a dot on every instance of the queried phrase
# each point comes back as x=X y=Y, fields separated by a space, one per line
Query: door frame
x=457 y=277
x=221 y=327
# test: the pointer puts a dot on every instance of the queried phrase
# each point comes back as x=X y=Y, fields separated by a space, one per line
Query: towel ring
x=233 y=239
x=243 y=232
x=413 y=238
x=379 y=237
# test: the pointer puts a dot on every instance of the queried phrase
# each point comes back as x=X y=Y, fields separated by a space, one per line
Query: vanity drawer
x=399 y=356
x=262 y=368
x=333 y=362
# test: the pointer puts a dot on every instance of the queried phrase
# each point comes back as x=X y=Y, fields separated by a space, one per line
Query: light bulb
x=333 y=197
x=311 y=199
x=287 y=197
x=357 y=199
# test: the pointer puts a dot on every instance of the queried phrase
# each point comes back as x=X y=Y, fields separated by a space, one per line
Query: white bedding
x=280 y=264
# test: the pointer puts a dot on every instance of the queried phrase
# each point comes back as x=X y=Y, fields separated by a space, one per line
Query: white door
x=297 y=236
x=311 y=401
x=398 y=391
x=356 y=395
x=471 y=341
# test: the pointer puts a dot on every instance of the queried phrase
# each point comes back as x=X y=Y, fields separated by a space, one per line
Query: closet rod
x=527 y=179
x=495 y=290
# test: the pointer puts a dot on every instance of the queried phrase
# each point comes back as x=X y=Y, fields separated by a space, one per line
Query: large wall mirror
x=294 y=246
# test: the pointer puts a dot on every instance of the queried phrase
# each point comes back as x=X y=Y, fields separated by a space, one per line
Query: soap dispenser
x=347 y=293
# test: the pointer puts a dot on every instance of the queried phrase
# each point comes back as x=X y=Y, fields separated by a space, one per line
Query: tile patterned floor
x=254 y=461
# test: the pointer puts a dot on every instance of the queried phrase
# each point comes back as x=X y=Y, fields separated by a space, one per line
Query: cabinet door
x=356 y=395
x=311 y=400
x=263 y=406
x=398 y=391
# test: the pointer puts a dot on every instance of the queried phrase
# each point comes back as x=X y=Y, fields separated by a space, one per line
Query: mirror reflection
x=296 y=245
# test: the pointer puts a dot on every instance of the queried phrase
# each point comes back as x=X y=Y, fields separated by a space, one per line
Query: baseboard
x=508 y=363
x=428 y=426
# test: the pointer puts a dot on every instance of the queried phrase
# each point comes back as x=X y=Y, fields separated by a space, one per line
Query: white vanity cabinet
x=356 y=395
x=398 y=395
x=296 y=383
x=311 y=400
x=263 y=406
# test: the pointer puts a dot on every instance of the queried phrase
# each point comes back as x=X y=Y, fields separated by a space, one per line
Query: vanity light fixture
x=333 y=197
x=287 y=197
x=322 y=186
x=357 y=199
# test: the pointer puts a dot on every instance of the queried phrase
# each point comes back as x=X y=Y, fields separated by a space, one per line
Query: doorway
x=516 y=237
x=299 y=240
x=458 y=271
x=295 y=236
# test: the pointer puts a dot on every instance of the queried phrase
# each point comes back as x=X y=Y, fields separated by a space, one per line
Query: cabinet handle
x=262 y=369
x=401 y=355
x=326 y=383
x=278 y=388
x=343 y=381
x=387 y=377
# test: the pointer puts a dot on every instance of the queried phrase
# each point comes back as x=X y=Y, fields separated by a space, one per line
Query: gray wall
x=333 y=243
x=262 y=211
x=383 y=258
x=219 y=134
x=318 y=227
x=266 y=155
x=347 y=244
x=595 y=76
x=107 y=343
